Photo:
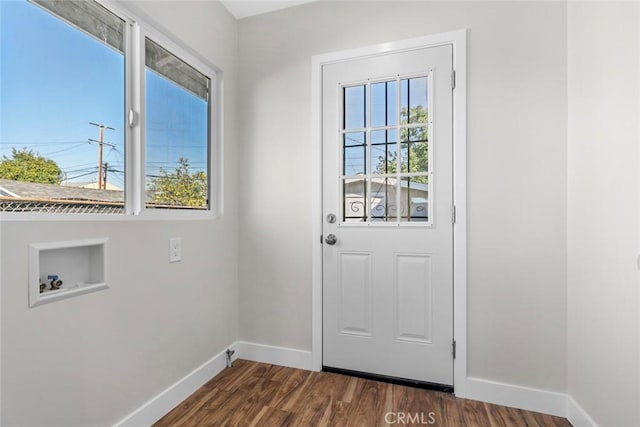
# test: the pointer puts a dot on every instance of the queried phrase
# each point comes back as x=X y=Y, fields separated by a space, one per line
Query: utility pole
x=101 y=143
x=104 y=175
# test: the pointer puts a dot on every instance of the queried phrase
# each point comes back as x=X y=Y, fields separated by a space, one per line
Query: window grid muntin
x=398 y=175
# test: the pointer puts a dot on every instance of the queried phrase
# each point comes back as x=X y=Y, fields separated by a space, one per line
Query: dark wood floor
x=258 y=394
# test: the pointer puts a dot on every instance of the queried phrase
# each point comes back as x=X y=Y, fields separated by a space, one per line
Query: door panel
x=355 y=289
x=413 y=298
x=387 y=178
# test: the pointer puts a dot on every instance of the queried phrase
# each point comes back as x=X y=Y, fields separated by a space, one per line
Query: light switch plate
x=175 y=249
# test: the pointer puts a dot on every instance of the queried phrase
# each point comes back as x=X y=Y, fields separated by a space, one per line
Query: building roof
x=93 y=185
x=32 y=190
x=390 y=181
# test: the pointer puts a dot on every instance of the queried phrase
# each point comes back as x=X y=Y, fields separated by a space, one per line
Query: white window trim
x=138 y=26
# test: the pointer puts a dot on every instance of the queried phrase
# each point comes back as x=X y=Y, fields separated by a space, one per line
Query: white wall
x=603 y=214
x=516 y=172
x=92 y=360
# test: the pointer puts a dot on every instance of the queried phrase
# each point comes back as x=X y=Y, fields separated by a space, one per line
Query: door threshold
x=388 y=379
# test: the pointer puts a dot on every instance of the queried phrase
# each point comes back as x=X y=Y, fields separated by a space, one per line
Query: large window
x=100 y=115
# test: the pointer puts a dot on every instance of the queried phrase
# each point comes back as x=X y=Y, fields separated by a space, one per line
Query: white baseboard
x=577 y=416
x=526 y=398
x=530 y=399
x=282 y=356
x=164 y=402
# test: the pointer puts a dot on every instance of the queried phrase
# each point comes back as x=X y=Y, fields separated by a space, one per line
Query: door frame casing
x=458 y=39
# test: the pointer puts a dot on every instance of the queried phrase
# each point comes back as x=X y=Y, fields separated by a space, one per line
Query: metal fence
x=12 y=204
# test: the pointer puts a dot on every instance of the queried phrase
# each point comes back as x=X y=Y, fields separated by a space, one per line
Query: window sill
x=146 y=216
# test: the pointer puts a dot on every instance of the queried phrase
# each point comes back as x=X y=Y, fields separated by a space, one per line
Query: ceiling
x=244 y=8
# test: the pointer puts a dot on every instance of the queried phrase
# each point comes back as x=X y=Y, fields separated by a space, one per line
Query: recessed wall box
x=79 y=264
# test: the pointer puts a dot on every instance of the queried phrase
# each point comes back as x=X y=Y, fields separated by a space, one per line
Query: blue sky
x=56 y=79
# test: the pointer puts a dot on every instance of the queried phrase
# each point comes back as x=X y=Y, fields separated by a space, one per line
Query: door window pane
x=383 y=104
x=355 y=199
x=354 y=153
x=354 y=108
x=383 y=199
x=413 y=100
x=353 y=139
x=177 y=132
x=354 y=163
x=384 y=151
x=414 y=199
x=414 y=150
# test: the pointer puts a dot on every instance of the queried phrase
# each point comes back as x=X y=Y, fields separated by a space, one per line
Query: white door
x=387 y=215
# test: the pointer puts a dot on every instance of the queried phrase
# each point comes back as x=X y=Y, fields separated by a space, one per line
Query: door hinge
x=453 y=348
x=453 y=79
x=453 y=214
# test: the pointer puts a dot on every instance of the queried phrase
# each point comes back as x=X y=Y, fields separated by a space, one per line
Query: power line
x=80 y=176
x=77 y=166
x=91 y=169
x=62 y=150
x=176 y=162
x=177 y=146
x=41 y=143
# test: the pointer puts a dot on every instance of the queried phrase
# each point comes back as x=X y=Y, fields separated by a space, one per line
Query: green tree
x=25 y=165
x=413 y=147
x=180 y=187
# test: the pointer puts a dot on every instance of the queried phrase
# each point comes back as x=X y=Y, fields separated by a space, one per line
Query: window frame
x=137 y=28
x=140 y=34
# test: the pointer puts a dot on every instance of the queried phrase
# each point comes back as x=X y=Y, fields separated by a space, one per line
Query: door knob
x=331 y=239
